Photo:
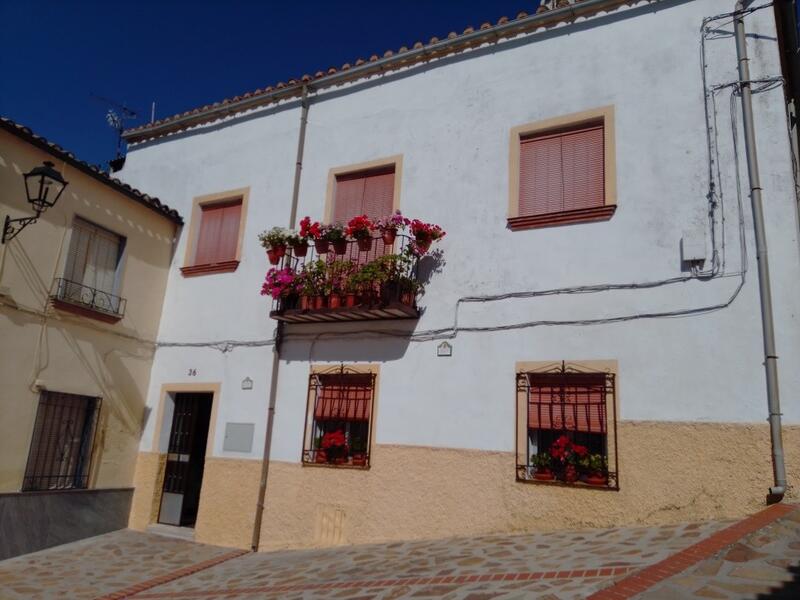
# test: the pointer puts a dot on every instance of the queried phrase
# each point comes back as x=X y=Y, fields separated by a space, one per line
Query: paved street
x=554 y=565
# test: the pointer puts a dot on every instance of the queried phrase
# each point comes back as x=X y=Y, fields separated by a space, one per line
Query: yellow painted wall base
x=669 y=472
x=148 y=479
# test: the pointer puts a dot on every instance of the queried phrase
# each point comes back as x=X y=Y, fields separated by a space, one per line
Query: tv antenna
x=116 y=116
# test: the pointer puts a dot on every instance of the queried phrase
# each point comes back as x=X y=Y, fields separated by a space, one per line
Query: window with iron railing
x=62 y=442
x=338 y=418
x=566 y=427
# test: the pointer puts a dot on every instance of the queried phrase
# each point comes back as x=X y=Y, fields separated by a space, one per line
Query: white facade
x=451 y=120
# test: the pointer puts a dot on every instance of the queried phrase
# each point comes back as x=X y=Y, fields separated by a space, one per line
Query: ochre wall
x=41 y=347
x=669 y=472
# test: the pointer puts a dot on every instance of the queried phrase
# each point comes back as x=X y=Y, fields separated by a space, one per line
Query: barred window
x=566 y=427
x=61 y=447
x=338 y=418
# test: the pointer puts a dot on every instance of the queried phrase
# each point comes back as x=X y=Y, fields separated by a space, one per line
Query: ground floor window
x=338 y=419
x=566 y=426
x=61 y=447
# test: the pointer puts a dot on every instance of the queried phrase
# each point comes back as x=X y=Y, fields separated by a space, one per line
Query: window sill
x=228 y=266
x=85 y=311
x=567 y=217
x=610 y=485
x=349 y=466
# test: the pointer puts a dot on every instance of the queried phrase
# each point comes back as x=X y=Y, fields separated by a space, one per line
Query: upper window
x=562 y=172
x=368 y=193
x=566 y=418
x=92 y=272
x=61 y=447
x=339 y=414
x=215 y=234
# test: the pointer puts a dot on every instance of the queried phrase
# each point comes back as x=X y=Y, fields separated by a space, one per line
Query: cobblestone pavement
x=545 y=565
x=100 y=565
x=764 y=564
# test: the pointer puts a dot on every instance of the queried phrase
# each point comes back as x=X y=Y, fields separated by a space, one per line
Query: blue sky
x=181 y=54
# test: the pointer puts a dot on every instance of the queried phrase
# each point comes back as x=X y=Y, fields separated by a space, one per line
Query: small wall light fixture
x=247 y=383
x=444 y=349
x=43 y=186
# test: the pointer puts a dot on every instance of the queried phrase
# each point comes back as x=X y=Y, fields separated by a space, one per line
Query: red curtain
x=571 y=402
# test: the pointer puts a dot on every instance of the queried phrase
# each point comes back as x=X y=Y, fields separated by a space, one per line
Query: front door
x=186 y=455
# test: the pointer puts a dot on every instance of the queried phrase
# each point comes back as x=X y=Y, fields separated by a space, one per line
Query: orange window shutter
x=229 y=232
x=574 y=403
x=208 y=236
x=584 y=168
x=541 y=189
x=345 y=398
x=378 y=195
x=348 y=198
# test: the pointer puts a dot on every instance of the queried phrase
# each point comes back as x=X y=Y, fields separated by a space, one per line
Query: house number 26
x=192 y=372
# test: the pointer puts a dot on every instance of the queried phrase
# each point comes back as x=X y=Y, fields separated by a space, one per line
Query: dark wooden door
x=186 y=455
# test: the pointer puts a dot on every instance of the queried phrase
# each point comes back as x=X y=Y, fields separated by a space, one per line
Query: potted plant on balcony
x=335 y=234
x=334 y=444
x=315 y=232
x=274 y=241
x=424 y=234
x=370 y=278
x=298 y=241
x=542 y=464
x=597 y=472
x=389 y=226
x=282 y=284
x=360 y=229
x=337 y=277
x=567 y=457
x=320 y=455
x=359 y=448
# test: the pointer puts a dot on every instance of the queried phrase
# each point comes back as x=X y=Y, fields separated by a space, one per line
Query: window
x=566 y=422
x=215 y=233
x=562 y=171
x=91 y=275
x=338 y=419
x=368 y=193
x=61 y=448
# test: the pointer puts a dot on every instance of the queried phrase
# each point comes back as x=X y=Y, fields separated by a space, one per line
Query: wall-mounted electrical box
x=693 y=247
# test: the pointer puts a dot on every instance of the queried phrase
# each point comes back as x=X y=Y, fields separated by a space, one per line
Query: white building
x=648 y=284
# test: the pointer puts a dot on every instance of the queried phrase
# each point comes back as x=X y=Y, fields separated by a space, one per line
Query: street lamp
x=43 y=186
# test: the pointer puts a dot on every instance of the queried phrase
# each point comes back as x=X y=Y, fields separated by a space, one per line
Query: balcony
x=357 y=280
x=86 y=301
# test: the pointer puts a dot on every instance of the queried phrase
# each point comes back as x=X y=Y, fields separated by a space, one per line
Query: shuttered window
x=94 y=257
x=368 y=193
x=61 y=446
x=218 y=236
x=563 y=171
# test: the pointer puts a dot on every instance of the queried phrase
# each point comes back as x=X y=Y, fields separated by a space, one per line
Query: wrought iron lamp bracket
x=11 y=227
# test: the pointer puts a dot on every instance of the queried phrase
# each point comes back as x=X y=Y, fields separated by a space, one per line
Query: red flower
x=333 y=439
x=360 y=227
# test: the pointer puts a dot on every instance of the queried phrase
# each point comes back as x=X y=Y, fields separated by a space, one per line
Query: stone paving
x=763 y=564
x=99 y=565
x=568 y=564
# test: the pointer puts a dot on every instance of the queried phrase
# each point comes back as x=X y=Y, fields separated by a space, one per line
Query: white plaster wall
x=451 y=123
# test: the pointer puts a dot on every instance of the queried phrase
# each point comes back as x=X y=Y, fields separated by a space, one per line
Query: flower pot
x=350 y=300
x=334 y=301
x=305 y=302
x=359 y=460
x=389 y=235
x=570 y=474
x=319 y=302
x=423 y=246
x=339 y=460
x=544 y=475
x=273 y=256
x=300 y=249
x=598 y=479
x=340 y=247
x=321 y=457
x=407 y=298
x=321 y=246
x=365 y=244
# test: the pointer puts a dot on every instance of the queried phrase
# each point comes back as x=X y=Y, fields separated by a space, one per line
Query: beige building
x=81 y=291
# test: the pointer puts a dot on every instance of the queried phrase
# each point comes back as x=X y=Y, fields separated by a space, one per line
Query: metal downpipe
x=777 y=491
x=276 y=349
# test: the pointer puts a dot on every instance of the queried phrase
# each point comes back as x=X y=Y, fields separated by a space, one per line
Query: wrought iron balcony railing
x=353 y=281
x=88 y=298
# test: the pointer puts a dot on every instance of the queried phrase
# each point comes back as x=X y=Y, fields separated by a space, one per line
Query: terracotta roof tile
x=93 y=171
x=547 y=5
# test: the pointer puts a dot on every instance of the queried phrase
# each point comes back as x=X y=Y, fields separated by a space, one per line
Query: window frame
x=189 y=268
x=607 y=369
x=86 y=447
x=334 y=173
x=308 y=452
x=563 y=124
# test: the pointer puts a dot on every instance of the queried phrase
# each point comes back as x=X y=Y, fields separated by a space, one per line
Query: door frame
x=163 y=426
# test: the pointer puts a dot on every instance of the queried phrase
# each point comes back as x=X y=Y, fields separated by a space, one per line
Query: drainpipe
x=777 y=491
x=276 y=349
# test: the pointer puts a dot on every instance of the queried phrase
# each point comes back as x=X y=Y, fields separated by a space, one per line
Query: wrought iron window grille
x=340 y=399
x=87 y=297
x=63 y=438
x=567 y=405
